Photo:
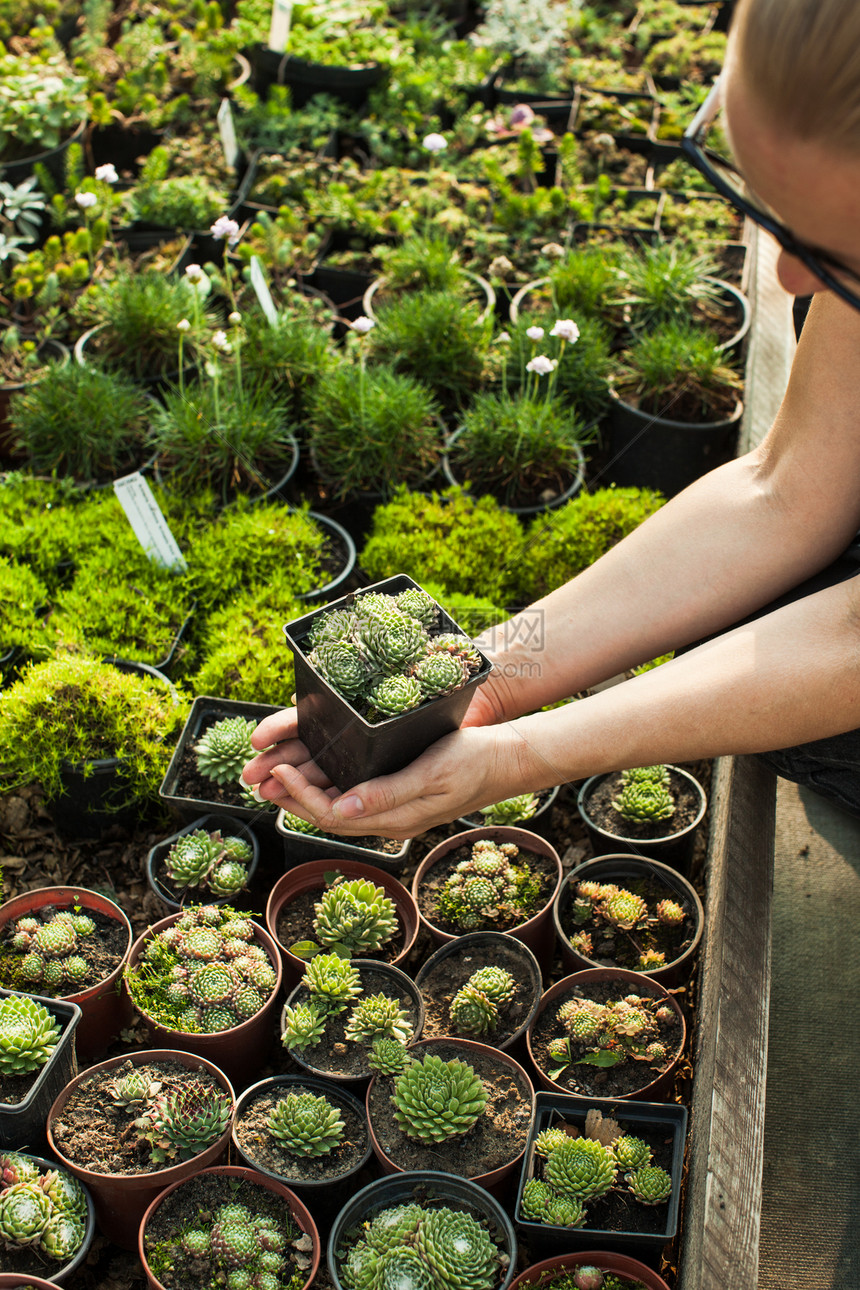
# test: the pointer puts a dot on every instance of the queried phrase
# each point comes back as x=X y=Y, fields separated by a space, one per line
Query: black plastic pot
x=343 y=743
x=339 y=533
x=649 y=451
x=172 y=899
x=301 y=847
x=624 y=869
x=566 y=494
x=673 y=849
x=649 y=1120
x=431 y=1189
x=481 y=949
x=22 y=1124
x=348 y=84
x=60 y=1273
x=540 y=822
x=324 y=1197
x=53 y=159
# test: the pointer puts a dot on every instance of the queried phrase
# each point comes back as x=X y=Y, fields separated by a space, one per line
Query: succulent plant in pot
x=217 y=858
x=37 y=1058
x=46 y=1220
x=43 y=104
x=654 y=810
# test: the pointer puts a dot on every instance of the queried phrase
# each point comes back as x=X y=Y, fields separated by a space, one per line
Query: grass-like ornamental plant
x=82 y=710
x=435 y=1100
x=488 y=888
x=306 y=1125
x=679 y=371
x=42 y=1211
x=28 y=1035
x=433 y=337
x=203 y=973
x=423 y=1248
x=206 y=859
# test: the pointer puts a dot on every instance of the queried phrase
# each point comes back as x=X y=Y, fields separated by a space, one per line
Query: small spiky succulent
x=387 y=1055
x=16 y=1168
x=651 y=959
x=460 y=646
x=341 y=664
x=496 y=983
x=439 y=673
x=394 y=695
x=355 y=914
x=548 y=1139
x=40 y=1212
x=133 y=1089
x=184 y=1121
x=581 y=1167
x=423 y=1248
x=415 y=603
x=306 y=1125
x=645 y=795
x=332 y=982
x=230 y=1246
x=24 y=1213
x=28 y=1034
x=623 y=909
x=391 y=641
x=335 y=625
x=199 y=859
x=670 y=912
x=303 y=1027
x=435 y=1100
x=513 y=810
x=298 y=825
x=631 y=1152
x=489 y=888
x=650 y=1184
x=224 y=749
x=376 y=1017
x=564 y=1211
x=472 y=1012
x=536 y=1196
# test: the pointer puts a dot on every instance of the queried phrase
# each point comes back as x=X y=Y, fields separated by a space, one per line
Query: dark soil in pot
x=190 y=783
x=104 y=950
x=192 y=1206
x=252 y=1133
x=296 y=923
x=432 y=884
x=342 y=1058
x=602 y=812
x=497 y=1137
x=621 y=1080
x=442 y=983
x=96 y=1134
x=615 y=947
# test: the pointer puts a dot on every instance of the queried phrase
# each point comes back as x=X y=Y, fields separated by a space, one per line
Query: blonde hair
x=801 y=59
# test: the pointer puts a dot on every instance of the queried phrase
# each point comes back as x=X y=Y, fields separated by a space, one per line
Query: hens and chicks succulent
x=177 y=1118
x=634 y=1028
x=333 y=985
x=40 y=1210
x=488 y=889
x=622 y=917
x=28 y=1035
x=577 y=1170
x=206 y=859
x=50 y=954
x=383 y=657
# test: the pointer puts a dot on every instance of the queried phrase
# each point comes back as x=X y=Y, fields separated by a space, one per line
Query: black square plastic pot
x=642 y=1119
x=301 y=847
x=22 y=1124
x=341 y=741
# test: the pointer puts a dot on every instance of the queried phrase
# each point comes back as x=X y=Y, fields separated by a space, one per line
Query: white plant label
x=262 y=292
x=279 y=27
x=145 y=517
x=227 y=131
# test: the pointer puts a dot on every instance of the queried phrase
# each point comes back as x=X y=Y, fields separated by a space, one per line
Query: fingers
x=277 y=728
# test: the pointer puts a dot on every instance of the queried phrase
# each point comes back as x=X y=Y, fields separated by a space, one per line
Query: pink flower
x=542 y=365
x=224 y=227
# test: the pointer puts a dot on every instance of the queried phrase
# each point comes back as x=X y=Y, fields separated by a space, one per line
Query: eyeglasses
x=727 y=180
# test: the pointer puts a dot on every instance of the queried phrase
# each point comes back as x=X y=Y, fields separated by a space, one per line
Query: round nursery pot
x=624 y=870
x=344 y=540
x=650 y=451
x=671 y=848
x=533 y=932
x=174 y=898
x=105 y=1006
x=233 y=1176
x=341 y=1060
x=320 y=1179
x=310 y=878
x=484 y=288
x=51 y=352
x=453 y=963
x=554 y=500
x=58 y=1271
x=240 y=1051
x=429 y=1188
x=655 y=1086
x=121 y=1199
x=501 y=1131
x=539 y=1273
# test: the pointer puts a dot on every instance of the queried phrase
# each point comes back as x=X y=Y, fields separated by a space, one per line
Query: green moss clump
x=244 y=655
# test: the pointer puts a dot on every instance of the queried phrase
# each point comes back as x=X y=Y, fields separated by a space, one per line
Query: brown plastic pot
x=18 y=1281
x=311 y=877
x=105 y=1007
x=622 y=869
x=120 y=1200
x=536 y=932
x=465 y=1050
x=240 y=1051
x=299 y=1212
x=656 y=1089
x=674 y=848
x=623 y=1266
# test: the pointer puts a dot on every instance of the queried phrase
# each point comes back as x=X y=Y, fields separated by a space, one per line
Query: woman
x=736 y=540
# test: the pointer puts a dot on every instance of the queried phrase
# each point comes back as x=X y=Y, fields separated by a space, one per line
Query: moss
x=244 y=653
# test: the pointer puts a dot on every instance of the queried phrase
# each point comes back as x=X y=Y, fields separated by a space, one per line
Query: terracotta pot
x=632 y=982
x=311 y=877
x=16 y=1281
x=429 y=1188
x=671 y=848
x=121 y=1199
x=475 y=950
x=388 y=980
x=623 y=869
x=468 y=1051
x=535 y=931
x=105 y=1007
x=298 y=1211
x=240 y=1051
x=538 y=1273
